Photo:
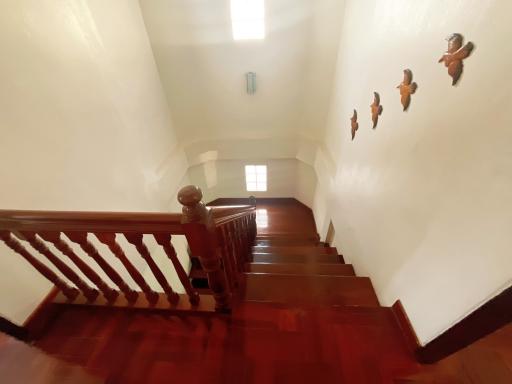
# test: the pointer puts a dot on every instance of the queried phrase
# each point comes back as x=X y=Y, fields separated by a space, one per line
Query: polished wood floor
x=20 y=363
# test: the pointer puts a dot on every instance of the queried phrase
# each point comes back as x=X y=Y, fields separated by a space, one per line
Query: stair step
x=286 y=240
x=313 y=290
x=295 y=250
x=291 y=243
x=334 y=269
x=278 y=258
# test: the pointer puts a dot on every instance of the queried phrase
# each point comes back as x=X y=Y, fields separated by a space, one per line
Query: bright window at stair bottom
x=256 y=178
x=261 y=218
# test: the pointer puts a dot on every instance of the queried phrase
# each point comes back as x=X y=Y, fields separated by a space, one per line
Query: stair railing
x=220 y=238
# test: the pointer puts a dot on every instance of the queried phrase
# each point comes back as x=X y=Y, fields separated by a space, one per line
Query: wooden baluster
x=56 y=239
x=249 y=233
x=109 y=239
x=90 y=293
x=237 y=267
x=249 y=236
x=226 y=258
x=199 y=229
x=164 y=240
x=70 y=292
x=245 y=237
x=80 y=238
x=254 y=227
x=233 y=245
x=236 y=242
x=228 y=247
x=136 y=239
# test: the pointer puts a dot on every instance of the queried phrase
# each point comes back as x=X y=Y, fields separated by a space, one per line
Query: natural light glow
x=261 y=218
x=248 y=19
x=256 y=178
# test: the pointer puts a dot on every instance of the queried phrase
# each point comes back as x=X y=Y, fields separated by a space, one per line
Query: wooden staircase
x=283 y=307
x=298 y=273
x=299 y=314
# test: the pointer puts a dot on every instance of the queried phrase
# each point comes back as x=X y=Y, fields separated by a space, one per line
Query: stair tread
x=314 y=289
x=295 y=249
x=301 y=268
x=275 y=258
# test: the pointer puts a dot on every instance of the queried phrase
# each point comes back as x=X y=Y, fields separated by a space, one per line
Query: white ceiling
x=203 y=69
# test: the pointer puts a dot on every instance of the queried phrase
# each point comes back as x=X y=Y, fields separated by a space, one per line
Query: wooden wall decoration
x=453 y=57
x=407 y=88
x=376 y=109
x=354 y=124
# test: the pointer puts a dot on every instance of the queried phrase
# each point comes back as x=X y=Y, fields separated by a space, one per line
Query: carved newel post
x=199 y=228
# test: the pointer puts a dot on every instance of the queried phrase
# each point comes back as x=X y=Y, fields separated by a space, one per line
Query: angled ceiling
x=203 y=69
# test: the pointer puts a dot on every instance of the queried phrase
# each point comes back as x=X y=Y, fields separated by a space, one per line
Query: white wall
x=84 y=121
x=422 y=204
x=226 y=178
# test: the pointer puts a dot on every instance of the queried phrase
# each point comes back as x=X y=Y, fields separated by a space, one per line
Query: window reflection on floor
x=261 y=218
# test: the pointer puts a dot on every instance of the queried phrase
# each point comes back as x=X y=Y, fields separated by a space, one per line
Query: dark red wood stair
x=302 y=316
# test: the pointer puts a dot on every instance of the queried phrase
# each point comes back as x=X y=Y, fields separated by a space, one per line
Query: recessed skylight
x=248 y=19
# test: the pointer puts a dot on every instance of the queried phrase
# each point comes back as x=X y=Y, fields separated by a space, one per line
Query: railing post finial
x=200 y=232
x=193 y=209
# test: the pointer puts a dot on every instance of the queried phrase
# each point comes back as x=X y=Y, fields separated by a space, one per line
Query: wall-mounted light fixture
x=251 y=82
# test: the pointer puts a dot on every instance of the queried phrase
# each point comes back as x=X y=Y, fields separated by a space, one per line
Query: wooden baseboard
x=205 y=306
x=490 y=317
x=42 y=316
x=410 y=337
x=13 y=330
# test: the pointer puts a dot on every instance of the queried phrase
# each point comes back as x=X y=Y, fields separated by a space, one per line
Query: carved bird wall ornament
x=453 y=57
x=376 y=109
x=407 y=88
x=354 y=124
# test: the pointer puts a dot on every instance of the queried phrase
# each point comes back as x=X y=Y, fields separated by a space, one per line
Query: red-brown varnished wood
x=323 y=326
x=206 y=304
x=72 y=221
x=229 y=259
x=70 y=292
x=164 y=240
x=489 y=360
x=109 y=239
x=20 y=364
x=199 y=227
x=56 y=239
x=310 y=289
x=295 y=250
x=302 y=269
x=137 y=241
x=405 y=326
x=258 y=343
x=40 y=246
x=266 y=242
x=43 y=315
x=309 y=323
x=278 y=258
x=88 y=247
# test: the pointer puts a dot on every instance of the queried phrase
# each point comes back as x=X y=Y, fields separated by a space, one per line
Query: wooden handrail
x=226 y=210
x=220 y=237
x=225 y=214
x=63 y=221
